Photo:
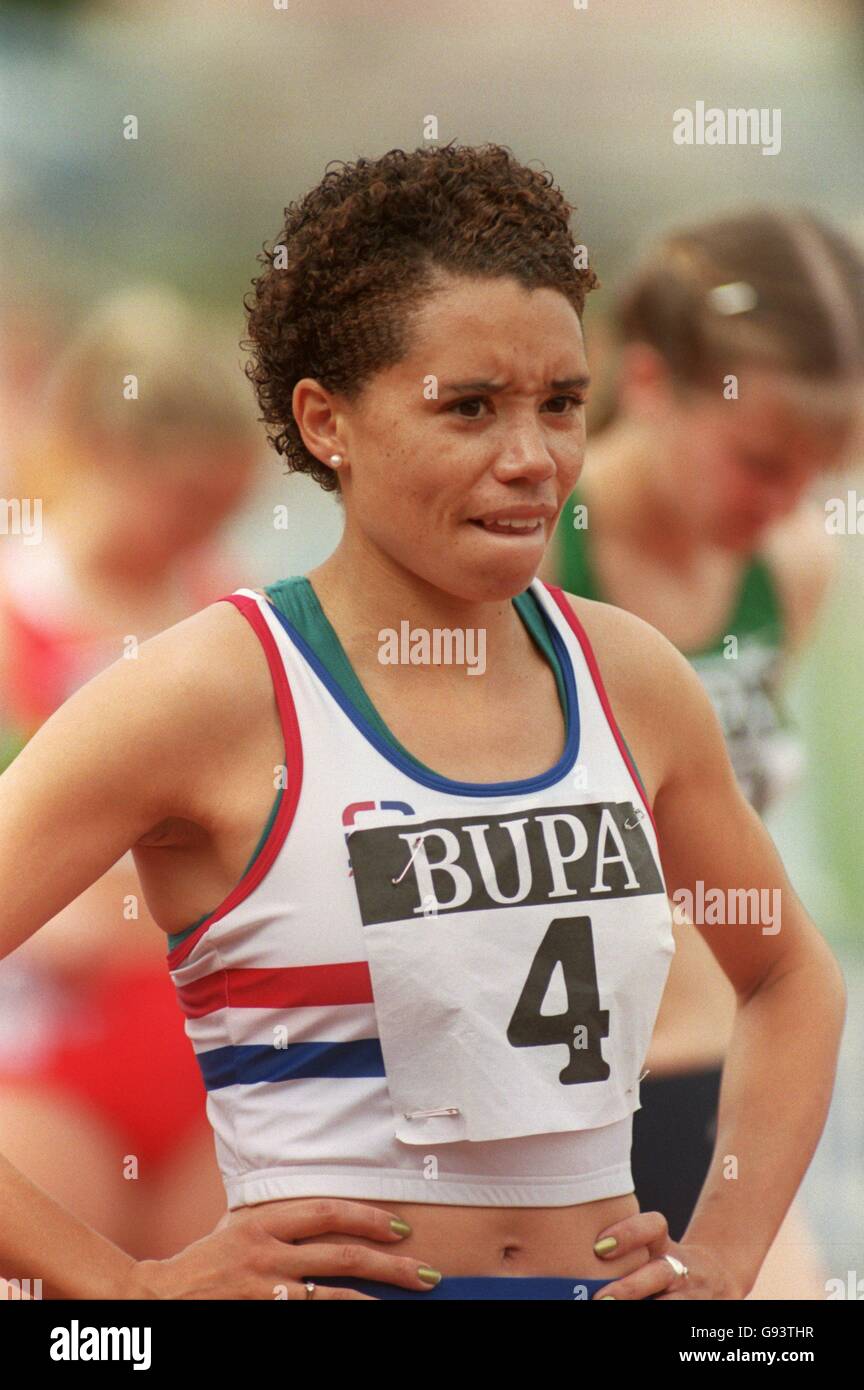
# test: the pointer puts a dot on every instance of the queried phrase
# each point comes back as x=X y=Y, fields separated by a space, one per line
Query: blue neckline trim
x=433 y=780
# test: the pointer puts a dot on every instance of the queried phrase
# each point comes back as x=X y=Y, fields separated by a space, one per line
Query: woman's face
x=156 y=505
x=483 y=417
x=183 y=496
x=737 y=466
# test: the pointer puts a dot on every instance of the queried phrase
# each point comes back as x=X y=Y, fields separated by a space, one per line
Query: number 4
x=568 y=940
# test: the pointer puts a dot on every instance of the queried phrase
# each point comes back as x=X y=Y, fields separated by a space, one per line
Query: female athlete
x=430 y=997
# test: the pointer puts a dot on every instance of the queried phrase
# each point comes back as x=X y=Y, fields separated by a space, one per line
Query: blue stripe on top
x=255 y=1062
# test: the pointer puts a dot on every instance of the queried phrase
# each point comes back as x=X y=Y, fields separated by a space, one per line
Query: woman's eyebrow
x=491 y=387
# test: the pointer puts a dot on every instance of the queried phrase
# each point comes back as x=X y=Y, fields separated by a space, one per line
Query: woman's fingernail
x=611 y=1297
x=604 y=1246
x=400 y=1227
x=429 y=1276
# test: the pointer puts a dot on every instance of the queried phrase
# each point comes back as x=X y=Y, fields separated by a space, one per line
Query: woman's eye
x=576 y=401
x=474 y=400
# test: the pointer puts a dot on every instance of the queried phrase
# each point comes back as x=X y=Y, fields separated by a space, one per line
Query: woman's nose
x=526 y=455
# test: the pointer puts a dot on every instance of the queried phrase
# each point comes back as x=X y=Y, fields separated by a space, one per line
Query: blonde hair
x=190 y=387
x=188 y=380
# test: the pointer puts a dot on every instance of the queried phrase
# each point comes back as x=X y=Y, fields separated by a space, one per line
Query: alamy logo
x=736 y=126
x=850 y=1287
x=416 y=646
x=21 y=516
x=77 y=1343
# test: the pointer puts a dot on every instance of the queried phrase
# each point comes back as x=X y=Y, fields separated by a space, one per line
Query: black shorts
x=673 y=1140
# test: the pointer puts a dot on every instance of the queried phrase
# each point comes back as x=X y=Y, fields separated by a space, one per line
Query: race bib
x=517 y=964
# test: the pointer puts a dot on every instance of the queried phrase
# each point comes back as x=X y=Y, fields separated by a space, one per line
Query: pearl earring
x=335 y=459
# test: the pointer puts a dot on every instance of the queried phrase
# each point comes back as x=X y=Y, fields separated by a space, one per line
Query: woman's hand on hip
x=251 y=1255
x=705 y=1277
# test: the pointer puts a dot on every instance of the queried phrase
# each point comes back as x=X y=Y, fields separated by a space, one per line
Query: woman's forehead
x=485 y=328
x=792 y=420
x=466 y=296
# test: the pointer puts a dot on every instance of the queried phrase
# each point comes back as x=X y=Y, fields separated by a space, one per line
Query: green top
x=296 y=599
x=742 y=679
x=756 y=609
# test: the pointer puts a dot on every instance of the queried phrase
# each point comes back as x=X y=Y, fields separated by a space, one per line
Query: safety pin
x=417 y=844
x=421 y=1114
x=641 y=1079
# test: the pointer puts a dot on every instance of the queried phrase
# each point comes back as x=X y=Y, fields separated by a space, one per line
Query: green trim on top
x=757 y=609
x=635 y=768
x=529 y=611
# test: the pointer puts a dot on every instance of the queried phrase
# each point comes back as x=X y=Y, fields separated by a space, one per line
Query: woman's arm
x=781 y=1061
x=94 y=925
x=804 y=562
x=98 y=774
x=721 y=865
x=39 y=1239
x=248 y=1258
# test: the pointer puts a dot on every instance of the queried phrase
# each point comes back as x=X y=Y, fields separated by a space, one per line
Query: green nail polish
x=429 y=1276
x=604 y=1246
x=400 y=1227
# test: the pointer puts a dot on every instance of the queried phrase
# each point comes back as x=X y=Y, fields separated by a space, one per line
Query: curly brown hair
x=359 y=254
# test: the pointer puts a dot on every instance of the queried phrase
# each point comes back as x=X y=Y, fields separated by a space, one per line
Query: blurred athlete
x=129 y=485
x=739 y=383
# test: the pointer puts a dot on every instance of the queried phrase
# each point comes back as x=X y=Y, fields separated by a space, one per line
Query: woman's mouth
x=527 y=526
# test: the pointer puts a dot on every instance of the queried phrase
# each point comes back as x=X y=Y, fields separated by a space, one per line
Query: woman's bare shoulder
x=652 y=689
x=213 y=660
x=152 y=740
x=172 y=702
x=622 y=641
x=803 y=559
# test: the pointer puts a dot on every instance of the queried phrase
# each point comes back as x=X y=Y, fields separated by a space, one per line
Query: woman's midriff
x=554 y=1242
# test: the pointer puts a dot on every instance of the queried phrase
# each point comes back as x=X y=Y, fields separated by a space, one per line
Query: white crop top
x=429 y=990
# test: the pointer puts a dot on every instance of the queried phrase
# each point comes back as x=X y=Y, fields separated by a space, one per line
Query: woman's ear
x=645 y=386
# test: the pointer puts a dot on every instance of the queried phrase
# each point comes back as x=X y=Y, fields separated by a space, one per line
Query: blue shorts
x=503 y=1286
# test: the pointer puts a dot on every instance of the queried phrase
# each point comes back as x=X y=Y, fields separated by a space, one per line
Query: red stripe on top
x=588 y=652
x=40 y=667
x=290 y=797
x=289 y=987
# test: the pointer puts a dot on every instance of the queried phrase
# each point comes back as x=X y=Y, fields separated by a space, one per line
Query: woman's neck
x=363 y=599
x=626 y=484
